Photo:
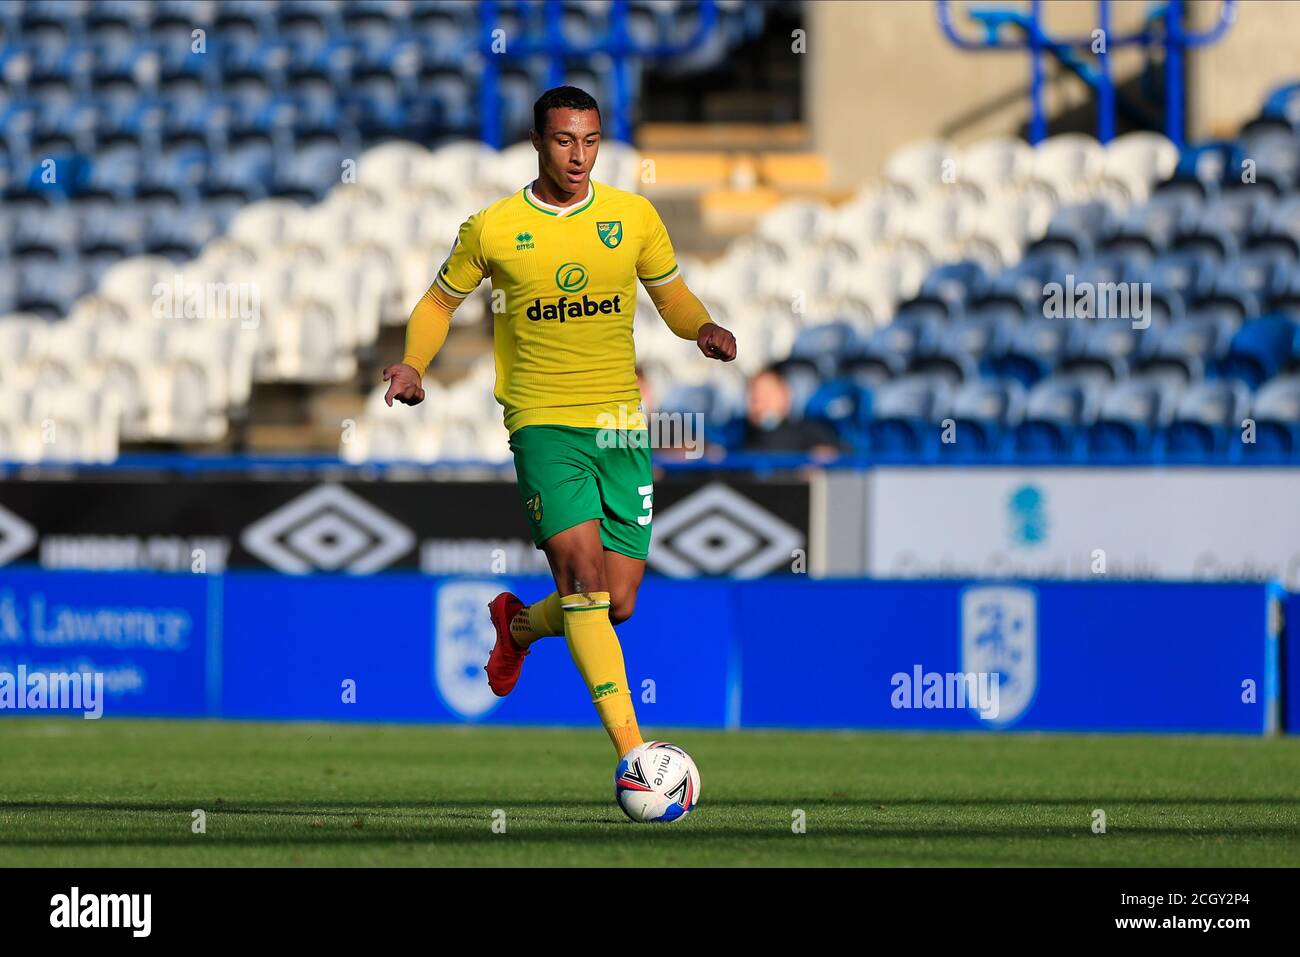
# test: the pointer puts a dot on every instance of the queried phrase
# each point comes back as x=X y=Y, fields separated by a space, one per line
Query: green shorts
x=568 y=476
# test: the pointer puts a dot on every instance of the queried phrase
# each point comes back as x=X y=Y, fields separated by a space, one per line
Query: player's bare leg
x=577 y=559
x=623 y=574
x=518 y=625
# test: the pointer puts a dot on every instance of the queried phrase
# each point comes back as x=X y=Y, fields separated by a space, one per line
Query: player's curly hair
x=561 y=98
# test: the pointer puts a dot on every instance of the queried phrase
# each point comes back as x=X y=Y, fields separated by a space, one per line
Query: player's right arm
x=430 y=320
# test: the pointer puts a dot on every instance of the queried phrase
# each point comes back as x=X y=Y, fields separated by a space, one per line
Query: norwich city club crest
x=534 y=507
x=611 y=234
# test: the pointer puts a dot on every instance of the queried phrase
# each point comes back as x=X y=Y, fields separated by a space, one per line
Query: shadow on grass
x=698 y=834
x=783 y=803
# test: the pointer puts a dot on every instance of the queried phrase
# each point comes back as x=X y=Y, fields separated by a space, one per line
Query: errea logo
x=525 y=241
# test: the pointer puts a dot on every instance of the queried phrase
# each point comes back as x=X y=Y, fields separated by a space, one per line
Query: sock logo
x=604 y=690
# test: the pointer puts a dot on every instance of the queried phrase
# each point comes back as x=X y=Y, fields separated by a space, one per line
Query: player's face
x=567 y=148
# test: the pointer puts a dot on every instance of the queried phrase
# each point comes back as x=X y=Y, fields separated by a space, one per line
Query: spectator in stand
x=769 y=428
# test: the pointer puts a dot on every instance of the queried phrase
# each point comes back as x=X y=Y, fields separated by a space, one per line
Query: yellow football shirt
x=563 y=300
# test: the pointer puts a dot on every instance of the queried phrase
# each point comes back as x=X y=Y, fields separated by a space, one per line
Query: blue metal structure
x=618 y=45
x=1163 y=26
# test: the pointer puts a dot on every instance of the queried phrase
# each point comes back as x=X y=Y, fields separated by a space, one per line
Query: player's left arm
x=685 y=315
x=681 y=309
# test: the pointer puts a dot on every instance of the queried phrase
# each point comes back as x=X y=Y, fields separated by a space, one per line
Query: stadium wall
x=793 y=652
x=863 y=64
x=1203 y=524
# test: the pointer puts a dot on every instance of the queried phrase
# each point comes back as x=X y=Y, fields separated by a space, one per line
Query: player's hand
x=403 y=385
x=716 y=342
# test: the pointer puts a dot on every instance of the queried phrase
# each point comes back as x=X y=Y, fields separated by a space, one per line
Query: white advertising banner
x=1186 y=524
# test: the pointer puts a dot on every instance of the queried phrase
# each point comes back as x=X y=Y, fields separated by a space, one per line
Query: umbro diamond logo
x=718 y=531
x=328 y=529
x=16 y=536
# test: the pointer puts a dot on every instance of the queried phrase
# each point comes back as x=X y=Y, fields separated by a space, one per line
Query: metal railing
x=1162 y=27
x=617 y=44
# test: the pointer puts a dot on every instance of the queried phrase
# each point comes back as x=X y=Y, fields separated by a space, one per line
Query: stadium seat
x=1206 y=421
x=1057 y=410
x=1276 y=413
x=1129 y=416
x=843 y=404
x=905 y=414
x=1259 y=350
x=983 y=412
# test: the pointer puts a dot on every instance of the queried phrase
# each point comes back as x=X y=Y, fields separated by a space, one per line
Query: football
x=656 y=783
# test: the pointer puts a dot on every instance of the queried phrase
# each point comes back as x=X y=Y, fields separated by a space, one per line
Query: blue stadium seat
x=50 y=288
x=842 y=404
x=1074 y=229
x=975 y=336
x=1106 y=349
x=714 y=402
x=1275 y=151
x=870 y=370
x=904 y=416
x=928 y=308
x=827 y=345
x=1259 y=350
x=1181 y=351
x=1285 y=299
x=983 y=413
x=52 y=236
x=1130 y=414
x=1260 y=270
x=1206 y=421
x=1057 y=410
x=1188 y=272
x=909 y=334
x=1276 y=411
x=953 y=368
x=116 y=231
x=1225 y=299
x=1033 y=351
x=1113 y=265
x=960 y=282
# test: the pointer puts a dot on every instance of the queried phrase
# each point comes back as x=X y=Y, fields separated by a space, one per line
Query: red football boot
x=507 y=658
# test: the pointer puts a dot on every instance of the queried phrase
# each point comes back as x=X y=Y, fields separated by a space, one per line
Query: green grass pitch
x=119 y=792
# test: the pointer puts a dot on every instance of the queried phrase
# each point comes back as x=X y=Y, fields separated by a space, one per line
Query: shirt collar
x=531 y=198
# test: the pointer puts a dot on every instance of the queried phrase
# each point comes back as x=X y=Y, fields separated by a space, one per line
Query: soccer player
x=566 y=252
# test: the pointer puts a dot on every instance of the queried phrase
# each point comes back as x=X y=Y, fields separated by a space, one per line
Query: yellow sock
x=599 y=657
x=538 y=620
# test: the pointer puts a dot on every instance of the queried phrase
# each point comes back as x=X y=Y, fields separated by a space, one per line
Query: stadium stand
x=209 y=246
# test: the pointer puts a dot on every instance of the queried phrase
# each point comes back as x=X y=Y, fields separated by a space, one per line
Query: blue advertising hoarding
x=951 y=655
x=146 y=634
x=1067 y=656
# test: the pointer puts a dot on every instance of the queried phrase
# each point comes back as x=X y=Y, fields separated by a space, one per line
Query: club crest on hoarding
x=999 y=635
x=1027 y=511
x=462 y=639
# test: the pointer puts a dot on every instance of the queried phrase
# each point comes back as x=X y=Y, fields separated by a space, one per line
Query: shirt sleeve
x=465 y=267
x=656 y=263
